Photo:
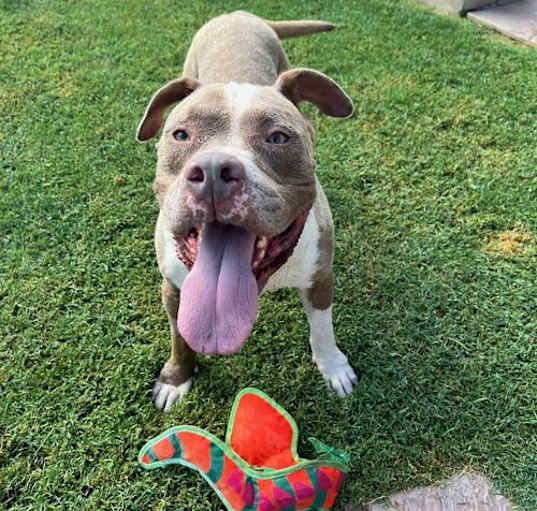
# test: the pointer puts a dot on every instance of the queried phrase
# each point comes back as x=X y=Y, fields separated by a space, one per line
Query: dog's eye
x=180 y=135
x=277 y=138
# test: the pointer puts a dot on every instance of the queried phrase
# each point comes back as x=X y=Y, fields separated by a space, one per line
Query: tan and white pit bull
x=241 y=210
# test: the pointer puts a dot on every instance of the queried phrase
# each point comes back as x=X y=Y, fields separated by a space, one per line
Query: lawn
x=433 y=185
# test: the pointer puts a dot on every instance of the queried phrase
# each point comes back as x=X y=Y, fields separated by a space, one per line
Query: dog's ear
x=308 y=85
x=171 y=93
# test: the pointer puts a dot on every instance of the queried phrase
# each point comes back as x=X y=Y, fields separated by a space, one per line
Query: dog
x=241 y=210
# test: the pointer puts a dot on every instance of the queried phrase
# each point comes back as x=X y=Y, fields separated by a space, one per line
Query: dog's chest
x=298 y=271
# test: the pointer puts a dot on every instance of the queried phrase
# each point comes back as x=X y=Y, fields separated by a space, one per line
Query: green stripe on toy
x=257 y=468
x=178 y=451
x=217 y=463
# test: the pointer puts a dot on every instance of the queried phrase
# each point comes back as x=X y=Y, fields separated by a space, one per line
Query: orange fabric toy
x=257 y=468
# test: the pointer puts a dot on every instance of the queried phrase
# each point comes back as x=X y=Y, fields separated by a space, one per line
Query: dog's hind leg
x=175 y=378
x=332 y=363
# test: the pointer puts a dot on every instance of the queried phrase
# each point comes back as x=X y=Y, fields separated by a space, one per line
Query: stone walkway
x=516 y=19
x=464 y=492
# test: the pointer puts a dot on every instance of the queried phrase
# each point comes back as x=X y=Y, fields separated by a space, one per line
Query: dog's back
x=243 y=48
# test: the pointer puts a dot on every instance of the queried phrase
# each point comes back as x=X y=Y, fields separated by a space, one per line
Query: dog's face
x=235 y=154
x=235 y=181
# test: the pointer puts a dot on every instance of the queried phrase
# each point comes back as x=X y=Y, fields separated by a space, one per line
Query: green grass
x=433 y=185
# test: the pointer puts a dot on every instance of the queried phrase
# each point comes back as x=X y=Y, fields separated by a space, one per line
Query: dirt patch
x=517 y=242
x=464 y=492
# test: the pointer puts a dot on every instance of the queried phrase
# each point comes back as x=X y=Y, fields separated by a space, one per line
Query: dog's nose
x=215 y=174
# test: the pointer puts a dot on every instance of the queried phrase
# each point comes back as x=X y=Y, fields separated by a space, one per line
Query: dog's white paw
x=166 y=395
x=338 y=373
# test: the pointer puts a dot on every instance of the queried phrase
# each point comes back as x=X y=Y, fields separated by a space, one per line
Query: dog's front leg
x=332 y=363
x=175 y=378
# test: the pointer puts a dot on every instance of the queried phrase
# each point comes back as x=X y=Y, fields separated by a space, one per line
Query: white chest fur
x=297 y=272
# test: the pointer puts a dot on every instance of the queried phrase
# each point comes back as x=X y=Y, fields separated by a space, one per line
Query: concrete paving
x=455 y=6
x=463 y=492
x=517 y=20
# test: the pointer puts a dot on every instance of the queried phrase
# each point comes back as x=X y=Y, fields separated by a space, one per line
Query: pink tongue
x=219 y=296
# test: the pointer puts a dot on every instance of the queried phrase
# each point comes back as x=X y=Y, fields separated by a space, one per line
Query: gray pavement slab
x=455 y=6
x=517 y=20
x=463 y=492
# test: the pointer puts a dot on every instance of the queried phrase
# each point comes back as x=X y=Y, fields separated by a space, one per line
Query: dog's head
x=235 y=181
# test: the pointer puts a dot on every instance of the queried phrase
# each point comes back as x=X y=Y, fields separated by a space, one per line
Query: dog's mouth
x=229 y=268
x=268 y=256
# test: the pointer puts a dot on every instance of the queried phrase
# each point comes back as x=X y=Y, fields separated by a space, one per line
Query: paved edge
x=462 y=492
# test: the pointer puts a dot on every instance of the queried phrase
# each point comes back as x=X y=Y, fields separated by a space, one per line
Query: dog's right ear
x=171 y=93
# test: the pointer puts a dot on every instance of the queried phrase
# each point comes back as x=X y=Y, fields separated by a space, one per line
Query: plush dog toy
x=257 y=468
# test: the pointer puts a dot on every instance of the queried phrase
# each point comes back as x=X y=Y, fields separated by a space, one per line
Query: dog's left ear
x=171 y=93
x=308 y=85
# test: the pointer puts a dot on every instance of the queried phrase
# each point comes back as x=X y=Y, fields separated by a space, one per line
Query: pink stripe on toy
x=282 y=498
x=303 y=491
x=323 y=481
x=265 y=504
x=235 y=480
x=248 y=495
